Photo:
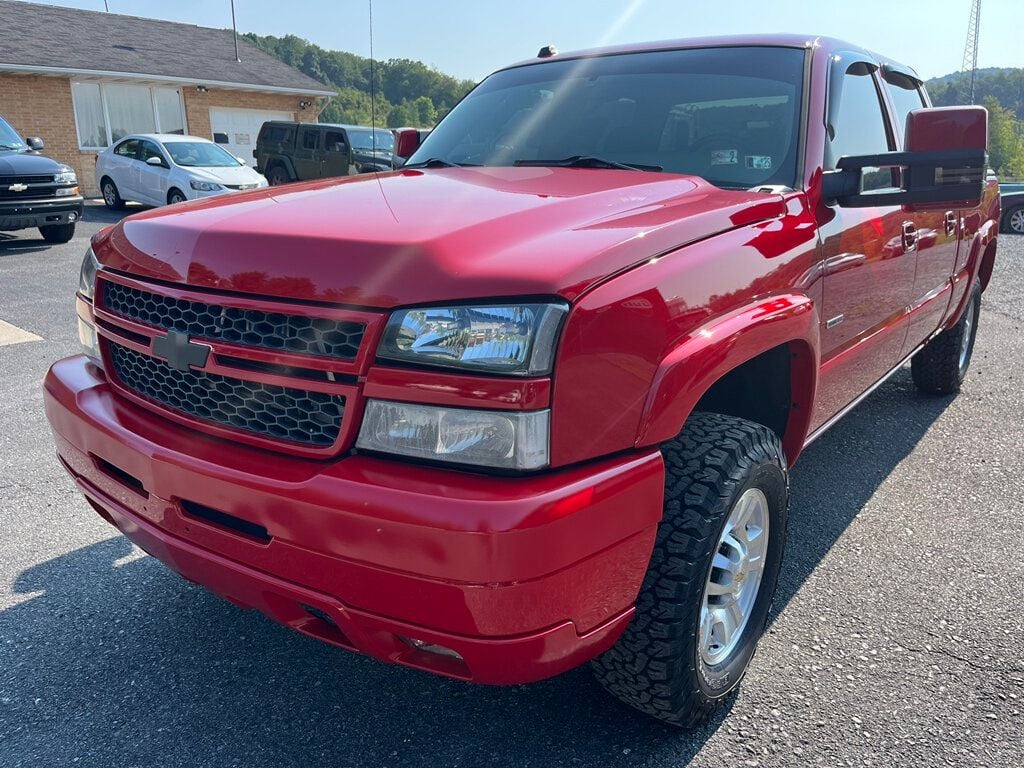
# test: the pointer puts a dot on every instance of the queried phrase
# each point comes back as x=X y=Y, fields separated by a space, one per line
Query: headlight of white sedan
x=203 y=186
x=509 y=339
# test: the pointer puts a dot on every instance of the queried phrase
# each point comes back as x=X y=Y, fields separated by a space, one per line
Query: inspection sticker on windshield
x=759 y=162
x=725 y=156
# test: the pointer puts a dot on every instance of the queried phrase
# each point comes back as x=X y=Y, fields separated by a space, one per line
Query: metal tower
x=969 y=68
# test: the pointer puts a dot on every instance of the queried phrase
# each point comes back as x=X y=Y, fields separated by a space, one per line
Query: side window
x=149 y=149
x=334 y=141
x=310 y=138
x=906 y=97
x=860 y=127
x=128 y=148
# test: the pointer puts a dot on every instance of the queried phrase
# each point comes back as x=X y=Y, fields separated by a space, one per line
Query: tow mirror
x=407 y=141
x=945 y=163
x=34 y=142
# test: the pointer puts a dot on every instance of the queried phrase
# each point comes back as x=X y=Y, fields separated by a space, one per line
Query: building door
x=236 y=129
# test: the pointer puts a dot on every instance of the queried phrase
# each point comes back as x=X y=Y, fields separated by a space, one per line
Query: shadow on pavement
x=118 y=662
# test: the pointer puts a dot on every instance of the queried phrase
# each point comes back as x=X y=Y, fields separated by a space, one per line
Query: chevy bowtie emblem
x=180 y=353
x=17 y=187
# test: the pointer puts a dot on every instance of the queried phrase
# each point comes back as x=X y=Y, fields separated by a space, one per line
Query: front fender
x=718 y=347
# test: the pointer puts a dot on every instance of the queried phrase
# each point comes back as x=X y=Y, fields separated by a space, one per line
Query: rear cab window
x=905 y=95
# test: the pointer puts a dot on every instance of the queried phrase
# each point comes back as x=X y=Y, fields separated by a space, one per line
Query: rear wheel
x=705 y=599
x=940 y=368
x=57 y=233
x=1013 y=220
x=111 y=197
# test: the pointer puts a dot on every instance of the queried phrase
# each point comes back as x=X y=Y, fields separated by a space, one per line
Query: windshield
x=730 y=115
x=9 y=138
x=200 y=154
x=364 y=139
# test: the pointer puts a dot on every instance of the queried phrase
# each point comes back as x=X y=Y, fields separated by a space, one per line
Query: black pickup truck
x=35 y=190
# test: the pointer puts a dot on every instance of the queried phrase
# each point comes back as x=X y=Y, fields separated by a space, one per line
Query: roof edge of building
x=34 y=69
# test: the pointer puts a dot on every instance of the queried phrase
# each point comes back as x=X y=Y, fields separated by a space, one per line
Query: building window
x=106 y=112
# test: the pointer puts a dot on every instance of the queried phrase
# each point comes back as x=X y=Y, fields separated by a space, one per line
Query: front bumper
x=26 y=214
x=522 y=578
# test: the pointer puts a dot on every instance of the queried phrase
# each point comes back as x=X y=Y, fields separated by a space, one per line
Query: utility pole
x=969 y=68
x=234 y=30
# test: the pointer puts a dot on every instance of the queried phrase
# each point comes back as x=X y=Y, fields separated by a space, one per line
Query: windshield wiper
x=11 y=146
x=437 y=162
x=586 y=161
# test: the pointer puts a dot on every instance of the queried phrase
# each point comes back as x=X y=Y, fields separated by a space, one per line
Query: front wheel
x=940 y=368
x=176 y=196
x=277 y=176
x=705 y=599
x=57 y=233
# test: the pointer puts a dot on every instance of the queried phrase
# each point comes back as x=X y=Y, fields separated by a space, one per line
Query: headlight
x=501 y=439
x=512 y=339
x=66 y=175
x=87 y=275
x=83 y=306
x=204 y=186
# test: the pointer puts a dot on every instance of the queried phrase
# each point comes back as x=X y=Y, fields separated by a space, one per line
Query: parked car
x=288 y=152
x=533 y=400
x=36 y=191
x=167 y=168
x=1012 y=200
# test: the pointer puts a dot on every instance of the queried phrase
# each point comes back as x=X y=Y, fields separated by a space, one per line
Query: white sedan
x=161 y=168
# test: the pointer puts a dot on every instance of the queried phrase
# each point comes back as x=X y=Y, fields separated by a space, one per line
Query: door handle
x=951 y=223
x=909 y=236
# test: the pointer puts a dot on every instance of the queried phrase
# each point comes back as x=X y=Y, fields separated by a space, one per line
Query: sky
x=470 y=38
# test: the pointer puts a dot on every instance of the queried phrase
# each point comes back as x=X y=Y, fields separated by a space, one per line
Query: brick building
x=82 y=79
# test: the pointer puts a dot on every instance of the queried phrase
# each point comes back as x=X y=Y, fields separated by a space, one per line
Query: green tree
x=1005 y=140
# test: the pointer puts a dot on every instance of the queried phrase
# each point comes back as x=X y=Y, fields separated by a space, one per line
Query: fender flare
x=714 y=349
x=286 y=162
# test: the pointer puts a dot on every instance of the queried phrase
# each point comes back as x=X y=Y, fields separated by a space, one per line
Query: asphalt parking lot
x=896 y=639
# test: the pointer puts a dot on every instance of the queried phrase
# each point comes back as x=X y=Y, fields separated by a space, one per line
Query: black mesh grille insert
x=252 y=327
x=313 y=418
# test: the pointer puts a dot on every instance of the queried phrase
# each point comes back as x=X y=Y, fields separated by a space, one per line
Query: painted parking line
x=12 y=334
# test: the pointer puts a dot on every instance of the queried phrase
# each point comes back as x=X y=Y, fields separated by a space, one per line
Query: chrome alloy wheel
x=965 y=342
x=1017 y=221
x=735 y=577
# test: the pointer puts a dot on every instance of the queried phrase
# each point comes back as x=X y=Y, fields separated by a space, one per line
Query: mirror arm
x=840 y=183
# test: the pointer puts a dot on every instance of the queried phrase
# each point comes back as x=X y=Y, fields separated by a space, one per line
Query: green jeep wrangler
x=287 y=151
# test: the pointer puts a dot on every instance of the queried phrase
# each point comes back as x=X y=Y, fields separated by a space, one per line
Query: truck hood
x=415 y=236
x=26 y=164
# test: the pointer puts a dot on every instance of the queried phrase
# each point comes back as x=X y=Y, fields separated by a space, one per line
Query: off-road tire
x=938 y=369
x=656 y=665
x=277 y=175
x=57 y=233
x=111 y=197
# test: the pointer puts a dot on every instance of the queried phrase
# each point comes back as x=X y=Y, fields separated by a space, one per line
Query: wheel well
x=107 y=178
x=172 y=190
x=759 y=390
x=987 y=262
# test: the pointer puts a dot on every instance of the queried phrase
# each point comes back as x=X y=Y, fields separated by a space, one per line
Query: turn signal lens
x=499 y=439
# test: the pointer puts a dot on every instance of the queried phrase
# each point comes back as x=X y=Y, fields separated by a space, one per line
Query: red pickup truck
x=531 y=400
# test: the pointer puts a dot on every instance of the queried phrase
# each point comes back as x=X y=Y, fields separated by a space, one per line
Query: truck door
x=307 y=158
x=938 y=229
x=337 y=153
x=869 y=255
